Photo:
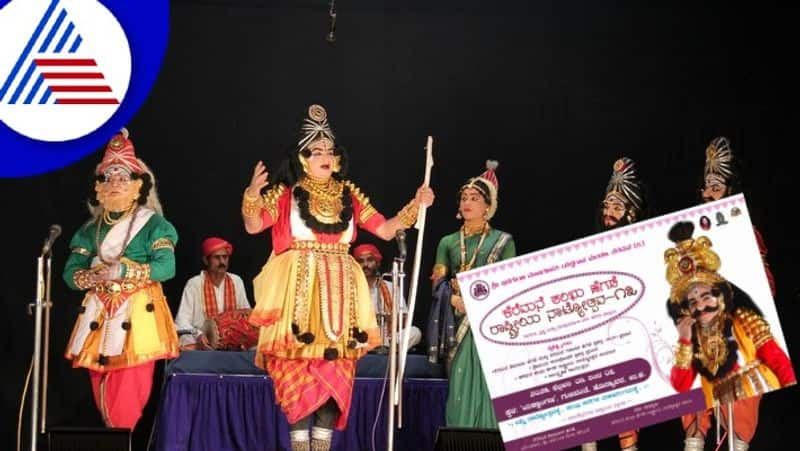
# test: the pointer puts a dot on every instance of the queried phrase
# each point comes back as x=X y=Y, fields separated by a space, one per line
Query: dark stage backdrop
x=554 y=90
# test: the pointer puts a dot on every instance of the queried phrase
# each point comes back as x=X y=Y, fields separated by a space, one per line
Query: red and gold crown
x=690 y=261
x=120 y=155
x=489 y=179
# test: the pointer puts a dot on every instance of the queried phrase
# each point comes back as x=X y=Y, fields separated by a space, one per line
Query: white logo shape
x=65 y=66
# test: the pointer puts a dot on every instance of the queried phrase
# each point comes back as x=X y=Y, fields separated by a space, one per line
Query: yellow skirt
x=322 y=293
x=101 y=342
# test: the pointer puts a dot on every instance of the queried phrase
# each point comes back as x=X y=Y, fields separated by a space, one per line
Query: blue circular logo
x=72 y=73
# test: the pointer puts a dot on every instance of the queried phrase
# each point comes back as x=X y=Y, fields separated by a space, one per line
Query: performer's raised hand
x=684 y=326
x=424 y=196
x=258 y=180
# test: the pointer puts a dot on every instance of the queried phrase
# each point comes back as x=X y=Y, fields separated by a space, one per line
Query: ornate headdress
x=719 y=161
x=626 y=187
x=487 y=185
x=690 y=261
x=120 y=156
x=315 y=127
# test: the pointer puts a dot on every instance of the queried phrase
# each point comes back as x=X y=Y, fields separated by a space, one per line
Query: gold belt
x=732 y=387
x=112 y=287
x=331 y=248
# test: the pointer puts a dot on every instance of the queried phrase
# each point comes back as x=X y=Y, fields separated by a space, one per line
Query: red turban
x=363 y=249
x=213 y=244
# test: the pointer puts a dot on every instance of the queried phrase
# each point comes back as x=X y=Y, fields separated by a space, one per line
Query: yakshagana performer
x=624 y=203
x=312 y=300
x=119 y=258
x=723 y=337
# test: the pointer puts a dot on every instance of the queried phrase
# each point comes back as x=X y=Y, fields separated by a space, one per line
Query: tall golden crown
x=691 y=261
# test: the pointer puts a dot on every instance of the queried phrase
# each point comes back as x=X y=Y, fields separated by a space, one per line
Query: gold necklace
x=111 y=221
x=474 y=230
x=713 y=348
x=324 y=199
x=464 y=264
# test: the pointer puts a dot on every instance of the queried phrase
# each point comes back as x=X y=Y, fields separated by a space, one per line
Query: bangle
x=251 y=206
x=408 y=214
x=137 y=272
x=82 y=279
x=683 y=356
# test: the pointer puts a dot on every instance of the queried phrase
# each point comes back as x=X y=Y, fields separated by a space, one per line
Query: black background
x=554 y=90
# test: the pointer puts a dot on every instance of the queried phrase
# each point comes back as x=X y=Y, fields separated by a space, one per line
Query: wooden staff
x=420 y=226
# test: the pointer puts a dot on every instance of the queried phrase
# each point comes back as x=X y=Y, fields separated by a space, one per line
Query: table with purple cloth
x=220 y=401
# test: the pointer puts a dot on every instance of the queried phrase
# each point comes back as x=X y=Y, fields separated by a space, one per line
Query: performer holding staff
x=312 y=300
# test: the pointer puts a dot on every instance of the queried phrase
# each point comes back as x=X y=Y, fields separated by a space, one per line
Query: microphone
x=55 y=231
x=400 y=236
x=331 y=37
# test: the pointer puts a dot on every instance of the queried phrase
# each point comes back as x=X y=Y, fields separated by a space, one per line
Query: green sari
x=468 y=401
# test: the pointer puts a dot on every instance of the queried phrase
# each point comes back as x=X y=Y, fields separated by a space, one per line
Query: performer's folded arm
x=162 y=266
x=162 y=257
x=78 y=263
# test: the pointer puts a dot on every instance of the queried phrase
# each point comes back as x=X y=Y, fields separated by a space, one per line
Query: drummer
x=206 y=295
x=369 y=257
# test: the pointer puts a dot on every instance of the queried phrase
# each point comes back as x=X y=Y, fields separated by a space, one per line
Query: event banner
x=578 y=341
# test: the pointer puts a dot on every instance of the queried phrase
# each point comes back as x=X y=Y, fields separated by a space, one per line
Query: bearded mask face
x=118 y=192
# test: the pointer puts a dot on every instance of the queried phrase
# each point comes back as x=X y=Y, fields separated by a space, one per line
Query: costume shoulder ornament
x=367 y=210
x=270 y=199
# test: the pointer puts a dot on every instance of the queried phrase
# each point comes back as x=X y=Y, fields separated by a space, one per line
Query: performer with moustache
x=722 y=177
x=209 y=294
x=312 y=300
x=625 y=202
x=723 y=337
x=119 y=259
x=449 y=335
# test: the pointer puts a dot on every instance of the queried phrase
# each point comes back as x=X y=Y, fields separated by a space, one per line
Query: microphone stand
x=395 y=397
x=41 y=344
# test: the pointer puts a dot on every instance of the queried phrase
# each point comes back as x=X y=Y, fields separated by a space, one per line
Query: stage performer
x=624 y=203
x=723 y=337
x=312 y=300
x=119 y=258
x=722 y=176
x=449 y=336
x=207 y=295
